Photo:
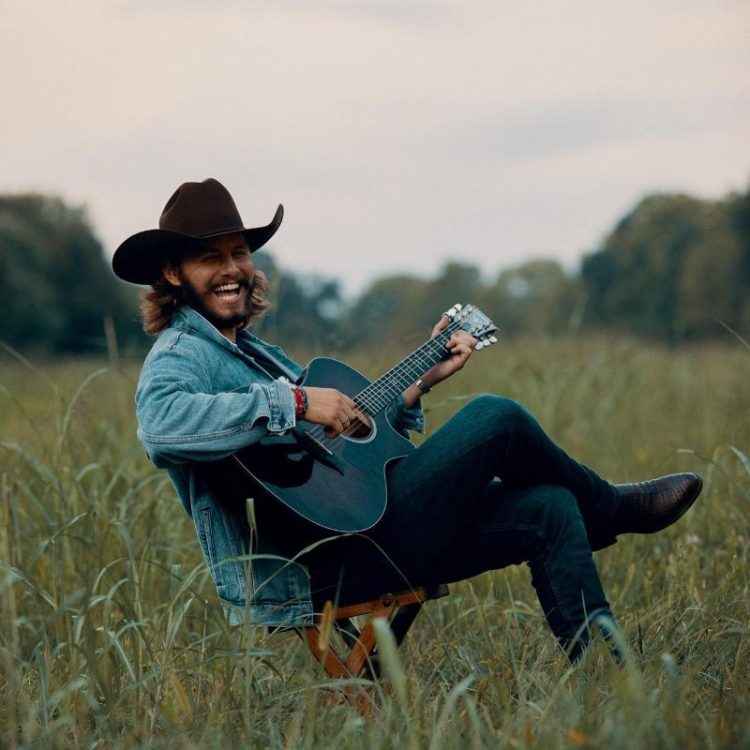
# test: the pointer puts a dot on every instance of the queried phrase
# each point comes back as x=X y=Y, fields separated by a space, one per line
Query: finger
x=346 y=413
x=468 y=342
x=361 y=417
x=465 y=337
x=441 y=325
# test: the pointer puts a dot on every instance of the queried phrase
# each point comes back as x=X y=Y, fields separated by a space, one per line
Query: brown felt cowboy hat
x=196 y=211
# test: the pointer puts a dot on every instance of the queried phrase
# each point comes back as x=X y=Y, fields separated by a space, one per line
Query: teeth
x=227 y=288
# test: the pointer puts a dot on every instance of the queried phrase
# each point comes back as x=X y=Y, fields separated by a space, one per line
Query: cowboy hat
x=196 y=211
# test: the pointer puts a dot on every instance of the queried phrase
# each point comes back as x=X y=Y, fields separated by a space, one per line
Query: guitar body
x=349 y=496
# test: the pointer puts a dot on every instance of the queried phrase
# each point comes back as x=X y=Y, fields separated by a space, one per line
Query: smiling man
x=487 y=489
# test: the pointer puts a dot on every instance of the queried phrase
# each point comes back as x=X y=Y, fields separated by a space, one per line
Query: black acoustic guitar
x=339 y=483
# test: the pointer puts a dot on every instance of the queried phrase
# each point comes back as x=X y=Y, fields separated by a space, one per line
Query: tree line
x=675 y=268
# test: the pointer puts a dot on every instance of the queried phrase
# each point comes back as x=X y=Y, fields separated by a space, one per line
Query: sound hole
x=363 y=432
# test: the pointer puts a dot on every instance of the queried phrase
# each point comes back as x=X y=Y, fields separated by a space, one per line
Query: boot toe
x=647 y=507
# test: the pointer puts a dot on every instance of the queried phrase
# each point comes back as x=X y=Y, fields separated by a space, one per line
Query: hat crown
x=201 y=209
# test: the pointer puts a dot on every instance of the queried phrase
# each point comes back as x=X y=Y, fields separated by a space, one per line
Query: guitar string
x=371 y=396
x=370 y=399
x=411 y=366
x=373 y=391
x=405 y=373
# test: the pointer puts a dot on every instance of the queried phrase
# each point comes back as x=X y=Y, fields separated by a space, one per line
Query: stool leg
x=351 y=635
x=361 y=650
x=333 y=664
x=400 y=611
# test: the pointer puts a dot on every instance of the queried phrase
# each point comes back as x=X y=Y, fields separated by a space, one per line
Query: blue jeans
x=486 y=490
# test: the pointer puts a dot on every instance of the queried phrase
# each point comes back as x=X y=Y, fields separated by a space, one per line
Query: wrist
x=422 y=386
x=300 y=401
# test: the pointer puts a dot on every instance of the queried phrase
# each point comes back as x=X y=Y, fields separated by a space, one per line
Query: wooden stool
x=360 y=658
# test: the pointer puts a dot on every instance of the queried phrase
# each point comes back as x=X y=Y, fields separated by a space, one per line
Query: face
x=218 y=281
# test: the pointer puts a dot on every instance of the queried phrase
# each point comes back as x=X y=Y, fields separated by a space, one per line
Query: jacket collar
x=189 y=319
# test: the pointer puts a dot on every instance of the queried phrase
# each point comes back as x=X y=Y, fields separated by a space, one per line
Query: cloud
x=396 y=134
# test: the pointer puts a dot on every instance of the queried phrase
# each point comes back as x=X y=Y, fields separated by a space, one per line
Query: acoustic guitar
x=339 y=483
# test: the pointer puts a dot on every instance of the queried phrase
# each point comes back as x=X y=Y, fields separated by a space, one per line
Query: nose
x=230 y=264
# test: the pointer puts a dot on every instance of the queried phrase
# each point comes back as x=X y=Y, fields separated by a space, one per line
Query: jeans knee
x=505 y=411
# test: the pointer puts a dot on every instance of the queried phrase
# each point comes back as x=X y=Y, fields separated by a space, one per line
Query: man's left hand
x=461 y=346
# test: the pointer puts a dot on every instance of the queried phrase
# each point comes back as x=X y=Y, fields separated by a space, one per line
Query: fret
x=381 y=392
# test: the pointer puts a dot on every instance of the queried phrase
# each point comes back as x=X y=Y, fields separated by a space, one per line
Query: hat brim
x=141 y=257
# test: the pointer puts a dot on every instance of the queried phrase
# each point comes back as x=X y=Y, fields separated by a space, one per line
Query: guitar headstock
x=472 y=320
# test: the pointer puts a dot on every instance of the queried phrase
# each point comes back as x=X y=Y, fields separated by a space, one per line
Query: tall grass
x=112 y=635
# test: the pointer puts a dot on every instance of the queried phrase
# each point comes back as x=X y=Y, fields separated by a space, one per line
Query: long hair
x=162 y=300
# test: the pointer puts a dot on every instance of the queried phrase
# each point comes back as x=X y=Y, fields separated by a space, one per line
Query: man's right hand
x=331 y=408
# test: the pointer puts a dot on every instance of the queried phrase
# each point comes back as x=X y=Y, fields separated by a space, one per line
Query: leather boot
x=647 y=507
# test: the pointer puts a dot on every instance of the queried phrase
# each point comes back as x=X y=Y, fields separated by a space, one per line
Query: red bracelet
x=300 y=401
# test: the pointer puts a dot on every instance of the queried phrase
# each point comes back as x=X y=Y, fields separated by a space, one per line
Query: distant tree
x=738 y=209
x=306 y=310
x=389 y=309
x=535 y=297
x=671 y=269
x=57 y=286
x=455 y=282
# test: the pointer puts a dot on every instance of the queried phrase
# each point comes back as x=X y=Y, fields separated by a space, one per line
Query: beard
x=193 y=297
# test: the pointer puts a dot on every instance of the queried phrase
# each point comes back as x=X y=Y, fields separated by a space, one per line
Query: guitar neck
x=381 y=392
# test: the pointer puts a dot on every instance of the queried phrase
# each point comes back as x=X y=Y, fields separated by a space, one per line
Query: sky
x=398 y=135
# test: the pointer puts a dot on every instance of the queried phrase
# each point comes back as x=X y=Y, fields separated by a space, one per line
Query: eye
x=241 y=253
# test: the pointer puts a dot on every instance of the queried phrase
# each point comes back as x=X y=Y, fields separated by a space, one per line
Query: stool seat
x=358 y=657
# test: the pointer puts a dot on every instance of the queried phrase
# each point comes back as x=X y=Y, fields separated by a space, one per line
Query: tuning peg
x=480 y=345
x=493 y=339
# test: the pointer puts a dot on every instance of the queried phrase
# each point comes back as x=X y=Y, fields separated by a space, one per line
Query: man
x=487 y=489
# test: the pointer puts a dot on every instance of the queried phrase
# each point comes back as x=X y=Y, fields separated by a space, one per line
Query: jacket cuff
x=407 y=418
x=281 y=406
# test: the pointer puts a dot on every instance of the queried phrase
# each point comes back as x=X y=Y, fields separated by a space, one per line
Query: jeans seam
x=552 y=587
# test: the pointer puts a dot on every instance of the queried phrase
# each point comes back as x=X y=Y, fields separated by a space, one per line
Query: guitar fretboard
x=381 y=392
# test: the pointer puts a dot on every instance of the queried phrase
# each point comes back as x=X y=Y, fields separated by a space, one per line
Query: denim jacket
x=201 y=398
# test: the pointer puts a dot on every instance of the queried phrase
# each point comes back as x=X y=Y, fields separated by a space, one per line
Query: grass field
x=112 y=636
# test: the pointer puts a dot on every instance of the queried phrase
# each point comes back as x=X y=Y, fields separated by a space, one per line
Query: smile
x=228 y=292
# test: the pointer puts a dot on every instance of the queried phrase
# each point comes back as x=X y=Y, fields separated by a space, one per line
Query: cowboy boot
x=647 y=507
